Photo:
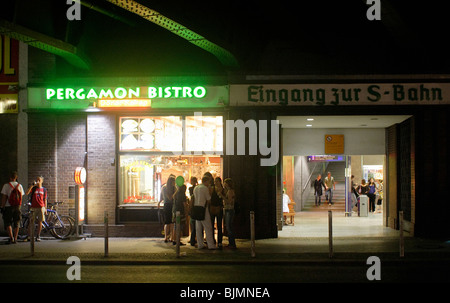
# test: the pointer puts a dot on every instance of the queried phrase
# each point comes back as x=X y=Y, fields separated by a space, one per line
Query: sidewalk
x=279 y=250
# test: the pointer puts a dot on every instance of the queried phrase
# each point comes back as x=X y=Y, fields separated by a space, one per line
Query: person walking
x=318 y=184
x=330 y=187
x=229 y=200
x=11 y=201
x=38 y=209
x=203 y=198
x=216 y=210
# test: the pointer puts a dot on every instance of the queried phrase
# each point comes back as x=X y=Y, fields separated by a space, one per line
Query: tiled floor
x=312 y=224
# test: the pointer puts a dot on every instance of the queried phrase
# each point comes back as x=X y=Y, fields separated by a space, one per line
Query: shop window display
x=152 y=148
x=142 y=176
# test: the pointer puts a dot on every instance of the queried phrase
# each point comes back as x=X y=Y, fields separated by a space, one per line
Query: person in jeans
x=228 y=206
x=38 y=205
x=372 y=194
x=217 y=204
x=194 y=183
x=11 y=214
x=331 y=185
x=318 y=184
x=202 y=197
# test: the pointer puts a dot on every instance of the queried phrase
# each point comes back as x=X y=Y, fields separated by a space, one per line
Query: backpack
x=15 y=198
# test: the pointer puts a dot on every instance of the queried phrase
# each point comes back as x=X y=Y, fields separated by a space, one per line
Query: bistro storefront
x=129 y=139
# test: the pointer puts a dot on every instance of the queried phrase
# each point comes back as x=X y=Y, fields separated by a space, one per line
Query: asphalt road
x=391 y=272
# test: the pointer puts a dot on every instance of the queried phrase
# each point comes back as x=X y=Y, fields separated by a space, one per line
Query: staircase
x=337 y=170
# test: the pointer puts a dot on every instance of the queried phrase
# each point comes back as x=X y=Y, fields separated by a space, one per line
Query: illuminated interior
x=152 y=148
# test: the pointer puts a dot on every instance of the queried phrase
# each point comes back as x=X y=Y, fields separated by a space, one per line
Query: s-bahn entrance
x=348 y=155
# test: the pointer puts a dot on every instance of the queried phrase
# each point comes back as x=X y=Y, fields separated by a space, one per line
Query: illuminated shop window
x=141 y=176
x=204 y=133
x=153 y=148
x=151 y=134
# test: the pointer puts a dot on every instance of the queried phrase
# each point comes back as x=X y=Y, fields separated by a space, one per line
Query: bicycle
x=59 y=226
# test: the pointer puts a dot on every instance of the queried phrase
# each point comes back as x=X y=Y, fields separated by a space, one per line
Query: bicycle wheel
x=72 y=220
x=23 y=227
x=61 y=227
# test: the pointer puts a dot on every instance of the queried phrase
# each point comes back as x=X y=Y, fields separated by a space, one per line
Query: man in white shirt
x=11 y=214
x=203 y=198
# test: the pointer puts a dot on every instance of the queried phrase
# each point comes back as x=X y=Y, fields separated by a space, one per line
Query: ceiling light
x=308 y=125
x=310 y=119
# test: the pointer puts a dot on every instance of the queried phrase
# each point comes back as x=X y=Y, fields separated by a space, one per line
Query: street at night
x=229 y=150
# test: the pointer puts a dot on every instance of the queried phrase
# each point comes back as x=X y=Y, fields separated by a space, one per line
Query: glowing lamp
x=80 y=175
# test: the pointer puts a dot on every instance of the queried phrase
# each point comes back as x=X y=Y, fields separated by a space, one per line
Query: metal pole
x=106 y=234
x=178 y=231
x=402 y=240
x=252 y=233
x=77 y=209
x=32 y=232
x=330 y=234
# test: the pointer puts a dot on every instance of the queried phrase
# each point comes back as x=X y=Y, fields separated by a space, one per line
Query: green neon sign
x=169 y=92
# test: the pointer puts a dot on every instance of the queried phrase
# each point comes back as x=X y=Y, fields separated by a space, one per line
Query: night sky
x=280 y=37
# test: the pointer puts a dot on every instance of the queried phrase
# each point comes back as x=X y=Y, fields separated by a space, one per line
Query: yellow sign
x=8 y=103
x=334 y=144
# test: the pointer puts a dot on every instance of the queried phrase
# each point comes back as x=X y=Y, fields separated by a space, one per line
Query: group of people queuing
x=219 y=201
x=11 y=206
x=328 y=184
x=373 y=190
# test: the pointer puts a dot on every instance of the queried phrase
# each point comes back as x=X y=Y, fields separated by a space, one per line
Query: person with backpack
x=12 y=193
x=38 y=208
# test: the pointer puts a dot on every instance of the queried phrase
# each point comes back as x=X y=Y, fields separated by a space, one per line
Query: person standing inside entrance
x=372 y=194
x=10 y=206
x=330 y=187
x=38 y=208
x=318 y=184
x=355 y=195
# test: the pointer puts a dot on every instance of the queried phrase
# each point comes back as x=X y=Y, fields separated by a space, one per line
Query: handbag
x=214 y=210
x=198 y=213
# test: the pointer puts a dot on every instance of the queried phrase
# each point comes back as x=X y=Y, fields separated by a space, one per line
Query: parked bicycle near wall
x=59 y=226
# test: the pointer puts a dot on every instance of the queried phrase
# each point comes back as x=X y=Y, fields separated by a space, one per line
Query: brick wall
x=56 y=146
x=101 y=171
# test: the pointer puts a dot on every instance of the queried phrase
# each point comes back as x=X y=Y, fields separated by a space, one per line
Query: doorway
x=304 y=158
